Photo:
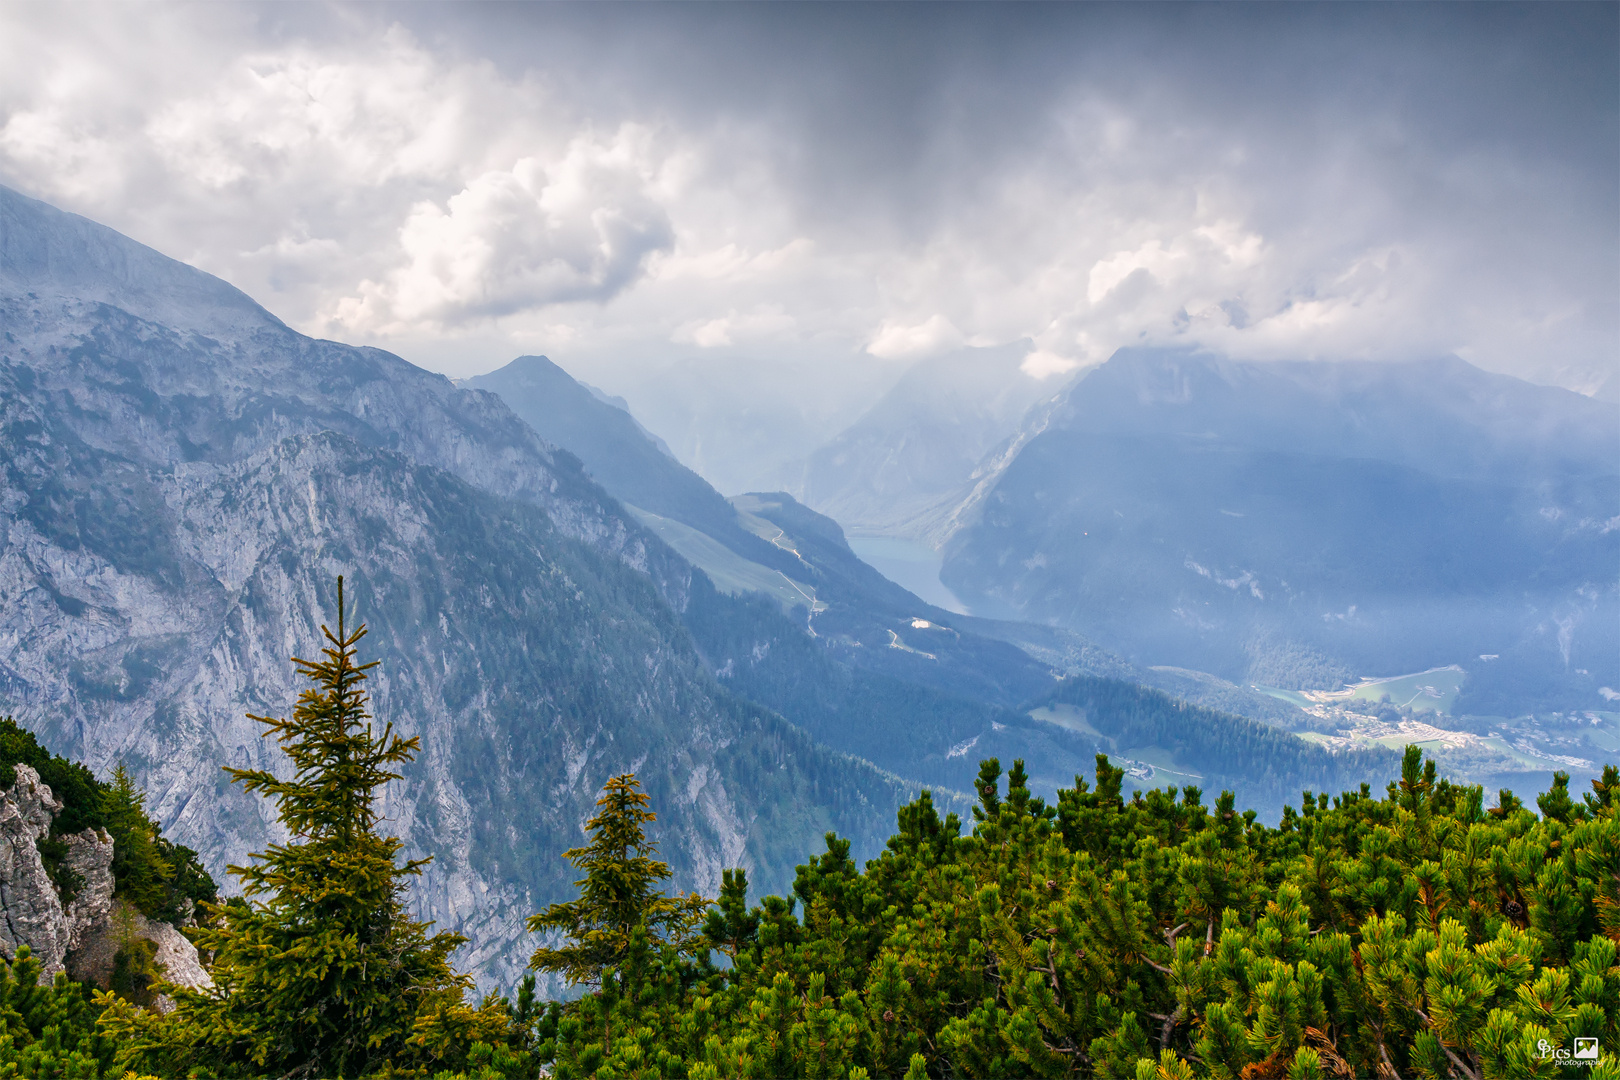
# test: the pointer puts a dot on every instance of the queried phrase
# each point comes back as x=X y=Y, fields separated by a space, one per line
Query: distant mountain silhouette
x=1196 y=511
x=907 y=458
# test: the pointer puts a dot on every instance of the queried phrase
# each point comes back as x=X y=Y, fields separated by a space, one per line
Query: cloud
x=1042 y=365
x=388 y=113
x=462 y=183
x=536 y=235
x=763 y=323
x=1205 y=251
x=899 y=341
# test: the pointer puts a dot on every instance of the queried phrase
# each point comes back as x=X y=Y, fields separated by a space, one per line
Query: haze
x=761 y=215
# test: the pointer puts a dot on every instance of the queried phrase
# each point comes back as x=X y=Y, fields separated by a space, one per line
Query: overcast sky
x=854 y=186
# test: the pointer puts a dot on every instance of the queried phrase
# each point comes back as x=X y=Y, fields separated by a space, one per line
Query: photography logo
x=1584 y=1049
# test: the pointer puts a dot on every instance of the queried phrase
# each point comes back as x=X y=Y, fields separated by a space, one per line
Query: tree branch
x=1168 y=1029
x=1455 y=1060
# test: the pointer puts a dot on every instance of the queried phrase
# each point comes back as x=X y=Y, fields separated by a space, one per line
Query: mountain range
x=1298 y=524
x=184 y=479
x=554 y=598
x=797 y=622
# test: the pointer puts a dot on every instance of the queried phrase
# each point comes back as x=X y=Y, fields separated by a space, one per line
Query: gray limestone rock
x=92 y=960
x=30 y=910
x=83 y=935
x=90 y=857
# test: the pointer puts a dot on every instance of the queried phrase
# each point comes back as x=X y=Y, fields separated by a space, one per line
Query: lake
x=910 y=564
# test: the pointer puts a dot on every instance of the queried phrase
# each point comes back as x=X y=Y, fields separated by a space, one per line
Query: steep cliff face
x=33 y=914
x=75 y=927
x=184 y=477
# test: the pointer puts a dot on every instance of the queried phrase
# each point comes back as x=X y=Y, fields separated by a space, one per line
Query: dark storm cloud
x=895 y=106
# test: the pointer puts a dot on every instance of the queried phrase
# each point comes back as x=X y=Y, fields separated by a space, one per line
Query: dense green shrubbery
x=1417 y=934
x=1157 y=937
x=49 y=1031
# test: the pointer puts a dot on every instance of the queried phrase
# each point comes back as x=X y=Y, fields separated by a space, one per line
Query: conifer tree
x=618 y=895
x=140 y=869
x=48 y=1028
x=319 y=972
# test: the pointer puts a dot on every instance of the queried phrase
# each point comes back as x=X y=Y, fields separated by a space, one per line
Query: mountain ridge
x=175 y=503
x=1182 y=507
x=904 y=459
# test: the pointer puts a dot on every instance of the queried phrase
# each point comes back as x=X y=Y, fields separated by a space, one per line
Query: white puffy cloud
x=764 y=323
x=900 y=341
x=529 y=237
x=1041 y=364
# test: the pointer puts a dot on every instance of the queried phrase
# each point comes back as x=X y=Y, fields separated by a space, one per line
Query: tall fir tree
x=619 y=894
x=319 y=971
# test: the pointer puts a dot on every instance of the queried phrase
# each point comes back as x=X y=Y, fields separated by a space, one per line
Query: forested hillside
x=1269 y=767
x=937 y=737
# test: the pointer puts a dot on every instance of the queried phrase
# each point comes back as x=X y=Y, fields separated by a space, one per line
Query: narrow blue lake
x=911 y=564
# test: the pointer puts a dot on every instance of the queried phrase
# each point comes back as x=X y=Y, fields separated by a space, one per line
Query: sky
x=818 y=195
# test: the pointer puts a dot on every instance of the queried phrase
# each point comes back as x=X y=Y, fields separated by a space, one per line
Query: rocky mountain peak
x=51 y=253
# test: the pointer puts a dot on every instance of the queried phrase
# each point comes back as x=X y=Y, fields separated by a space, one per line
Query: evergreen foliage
x=164 y=880
x=1149 y=936
x=319 y=972
x=619 y=896
x=49 y=1030
x=139 y=868
x=1418 y=934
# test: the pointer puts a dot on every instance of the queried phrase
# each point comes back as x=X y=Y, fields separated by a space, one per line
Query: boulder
x=176 y=957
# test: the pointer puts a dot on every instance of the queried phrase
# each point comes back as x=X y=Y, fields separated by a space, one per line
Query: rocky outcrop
x=83 y=935
x=176 y=957
x=89 y=857
x=31 y=912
